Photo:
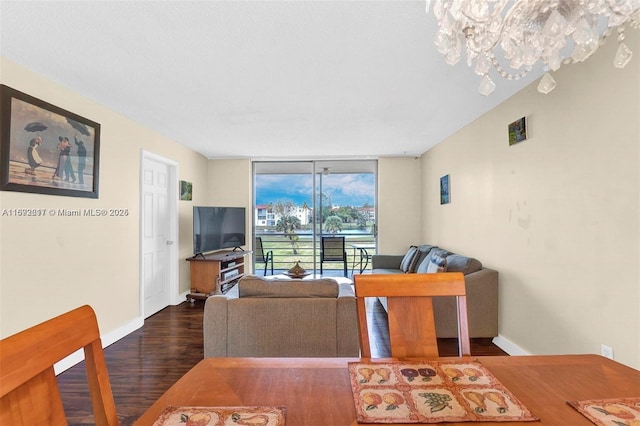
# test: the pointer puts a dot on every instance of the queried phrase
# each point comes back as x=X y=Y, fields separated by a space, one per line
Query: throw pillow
x=407 y=260
x=437 y=264
x=422 y=267
x=466 y=265
x=423 y=252
x=437 y=251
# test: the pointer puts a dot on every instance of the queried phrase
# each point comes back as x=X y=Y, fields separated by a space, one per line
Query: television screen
x=216 y=228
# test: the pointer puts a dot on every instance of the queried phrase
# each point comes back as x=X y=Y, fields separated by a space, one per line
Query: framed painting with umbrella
x=46 y=149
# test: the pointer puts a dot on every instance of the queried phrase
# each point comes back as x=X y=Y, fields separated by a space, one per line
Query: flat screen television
x=217 y=228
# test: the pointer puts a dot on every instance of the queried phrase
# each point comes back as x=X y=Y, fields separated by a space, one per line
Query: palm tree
x=333 y=224
x=287 y=223
x=305 y=208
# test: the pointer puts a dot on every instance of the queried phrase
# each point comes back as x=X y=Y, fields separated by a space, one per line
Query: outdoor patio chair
x=262 y=256
x=333 y=250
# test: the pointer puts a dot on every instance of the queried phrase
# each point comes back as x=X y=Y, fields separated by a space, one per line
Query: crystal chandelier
x=512 y=36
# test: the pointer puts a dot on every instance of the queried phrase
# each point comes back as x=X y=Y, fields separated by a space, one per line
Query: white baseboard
x=508 y=346
x=110 y=338
x=181 y=298
x=107 y=339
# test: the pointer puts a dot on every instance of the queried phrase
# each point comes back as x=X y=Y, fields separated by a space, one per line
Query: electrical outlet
x=606 y=351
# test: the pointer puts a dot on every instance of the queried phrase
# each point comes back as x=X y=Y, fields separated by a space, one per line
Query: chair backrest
x=29 y=392
x=261 y=256
x=259 y=250
x=412 y=331
x=332 y=249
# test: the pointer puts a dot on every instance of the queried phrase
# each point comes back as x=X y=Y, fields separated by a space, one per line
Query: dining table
x=317 y=391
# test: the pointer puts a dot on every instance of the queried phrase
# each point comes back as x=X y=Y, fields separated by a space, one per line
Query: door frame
x=172 y=208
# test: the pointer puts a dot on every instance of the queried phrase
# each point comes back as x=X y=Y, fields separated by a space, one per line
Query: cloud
x=344 y=189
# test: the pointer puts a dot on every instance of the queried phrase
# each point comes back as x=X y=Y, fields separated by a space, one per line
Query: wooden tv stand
x=223 y=267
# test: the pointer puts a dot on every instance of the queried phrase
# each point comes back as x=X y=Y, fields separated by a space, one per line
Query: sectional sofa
x=481 y=285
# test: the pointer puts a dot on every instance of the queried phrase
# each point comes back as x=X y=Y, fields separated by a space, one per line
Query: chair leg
x=346 y=273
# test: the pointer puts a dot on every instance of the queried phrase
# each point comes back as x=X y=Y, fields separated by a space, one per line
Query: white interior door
x=156 y=239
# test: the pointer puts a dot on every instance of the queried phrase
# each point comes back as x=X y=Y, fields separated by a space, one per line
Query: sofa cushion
x=435 y=251
x=437 y=264
x=423 y=253
x=464 y=264
x=408 y=259
x=253 y=286
x=422 y=267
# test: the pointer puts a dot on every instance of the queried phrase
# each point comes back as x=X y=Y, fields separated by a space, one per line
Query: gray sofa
x=481 y=285
x=282 y=318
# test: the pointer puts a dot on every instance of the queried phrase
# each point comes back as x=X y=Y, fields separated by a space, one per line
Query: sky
x=343 y=189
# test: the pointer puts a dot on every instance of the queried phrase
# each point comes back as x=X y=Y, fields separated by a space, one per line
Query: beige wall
x=230 y=185
x=196 y=172
x=399 y=204
x=557 y=215
x=52 y=264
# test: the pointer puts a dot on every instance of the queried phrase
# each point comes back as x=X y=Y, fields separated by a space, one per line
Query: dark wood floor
x=144 y=364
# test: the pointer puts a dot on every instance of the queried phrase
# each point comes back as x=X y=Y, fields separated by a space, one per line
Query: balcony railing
x=286 y=252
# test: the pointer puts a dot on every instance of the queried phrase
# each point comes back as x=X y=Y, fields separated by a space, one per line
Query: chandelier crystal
x=512 y=36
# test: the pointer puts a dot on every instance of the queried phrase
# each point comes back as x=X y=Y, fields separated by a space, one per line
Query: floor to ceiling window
x=296 y=203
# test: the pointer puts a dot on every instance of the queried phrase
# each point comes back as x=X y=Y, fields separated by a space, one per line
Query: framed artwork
x=46 y=149
x=445 y=190
x=186 y=190
x=517 y=131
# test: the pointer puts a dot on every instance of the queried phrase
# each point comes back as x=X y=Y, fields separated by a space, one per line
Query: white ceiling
x=261 y=79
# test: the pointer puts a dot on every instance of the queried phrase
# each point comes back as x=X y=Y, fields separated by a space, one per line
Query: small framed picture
x=186 y=190
x=518 y=131
x=46 y=149
x=445 y=189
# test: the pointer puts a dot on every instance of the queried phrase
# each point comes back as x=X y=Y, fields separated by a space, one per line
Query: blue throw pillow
x=421 y=254
x=437 y=264
x=422 y=267
x=407 y=260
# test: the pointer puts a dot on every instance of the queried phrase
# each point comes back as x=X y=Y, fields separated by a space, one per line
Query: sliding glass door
x=296 y=203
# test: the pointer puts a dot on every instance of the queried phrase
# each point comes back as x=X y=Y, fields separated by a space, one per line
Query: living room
x=557 y=215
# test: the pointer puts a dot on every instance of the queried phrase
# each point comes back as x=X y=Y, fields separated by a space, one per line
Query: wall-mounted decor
x=46 y=149
x=444 y=190
x=517 y=131
x=186 y=190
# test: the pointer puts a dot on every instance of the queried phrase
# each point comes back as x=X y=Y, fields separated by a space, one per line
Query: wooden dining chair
x=29 y=393
x=412 y=331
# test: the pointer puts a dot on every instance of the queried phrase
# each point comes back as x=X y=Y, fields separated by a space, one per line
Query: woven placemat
x=610 y=412
x=432 y=392
x=221 y=416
